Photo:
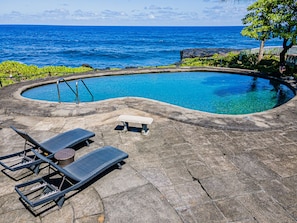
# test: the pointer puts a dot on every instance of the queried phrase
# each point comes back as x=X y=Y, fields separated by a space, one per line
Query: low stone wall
x=274 y=50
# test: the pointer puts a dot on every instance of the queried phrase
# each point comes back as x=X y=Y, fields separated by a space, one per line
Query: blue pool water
x=212 y=92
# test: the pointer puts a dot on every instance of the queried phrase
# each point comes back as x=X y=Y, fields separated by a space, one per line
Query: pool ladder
x=74 y=92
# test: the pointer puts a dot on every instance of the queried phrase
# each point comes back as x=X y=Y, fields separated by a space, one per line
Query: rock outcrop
x=204 y=52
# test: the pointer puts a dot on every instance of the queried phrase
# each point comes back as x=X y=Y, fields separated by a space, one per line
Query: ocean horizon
x=114 y=46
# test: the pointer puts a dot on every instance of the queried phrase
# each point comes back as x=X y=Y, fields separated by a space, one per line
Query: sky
x=124 y=12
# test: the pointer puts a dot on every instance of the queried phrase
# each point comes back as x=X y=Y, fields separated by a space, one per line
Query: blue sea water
x=113 y=46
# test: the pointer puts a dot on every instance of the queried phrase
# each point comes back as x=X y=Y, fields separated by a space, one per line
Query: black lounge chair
x=27 y=159
x=71 y=177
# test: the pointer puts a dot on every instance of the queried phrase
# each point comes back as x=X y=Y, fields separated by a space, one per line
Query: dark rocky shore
x=204 y=52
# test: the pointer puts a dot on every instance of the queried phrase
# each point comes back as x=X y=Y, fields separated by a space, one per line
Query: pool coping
x=12 y=103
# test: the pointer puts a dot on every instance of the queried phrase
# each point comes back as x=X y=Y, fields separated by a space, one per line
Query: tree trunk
x=261 y=51
x=282 y=55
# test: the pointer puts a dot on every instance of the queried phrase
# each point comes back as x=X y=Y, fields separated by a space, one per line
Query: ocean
x=113 y=46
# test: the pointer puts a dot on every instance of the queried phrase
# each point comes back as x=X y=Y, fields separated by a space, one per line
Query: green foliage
x=12 y=72
x=193 y=62
x=227 y=60
x=273 y=18
x=284 y=17
x=269 y=64
x=258 y=21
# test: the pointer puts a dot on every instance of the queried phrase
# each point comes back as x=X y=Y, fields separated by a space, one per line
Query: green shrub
x=12 y=72
x=226 y=60
x=245 y=60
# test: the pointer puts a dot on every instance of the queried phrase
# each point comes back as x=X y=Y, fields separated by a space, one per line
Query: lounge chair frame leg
x=119 y=166
x=126 y=126
x=35 y=168
x=144 y=130
x=60 y=201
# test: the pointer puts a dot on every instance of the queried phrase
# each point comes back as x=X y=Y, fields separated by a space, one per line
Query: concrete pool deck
x=192 y=167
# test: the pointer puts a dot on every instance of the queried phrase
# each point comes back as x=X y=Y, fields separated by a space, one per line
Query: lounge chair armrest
x=57 y=167
x=45 y=159
x=41 y=156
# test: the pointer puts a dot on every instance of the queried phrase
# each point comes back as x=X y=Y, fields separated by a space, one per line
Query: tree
x=273 y=19
x=284 y=16
x=258 y=23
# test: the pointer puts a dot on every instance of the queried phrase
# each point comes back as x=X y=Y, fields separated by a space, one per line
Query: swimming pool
x=213 y=92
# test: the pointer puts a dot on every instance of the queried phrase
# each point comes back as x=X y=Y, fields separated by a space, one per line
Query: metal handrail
x=74 y=92
x=85 y=87
x=59 y=96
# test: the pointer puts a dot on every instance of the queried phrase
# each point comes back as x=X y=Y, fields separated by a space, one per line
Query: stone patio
x=192 y=167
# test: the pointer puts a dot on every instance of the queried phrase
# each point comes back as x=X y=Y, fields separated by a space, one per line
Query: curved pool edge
x=12 y=103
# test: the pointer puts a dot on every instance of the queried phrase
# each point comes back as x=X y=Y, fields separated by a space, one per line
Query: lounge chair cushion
x=60 y=141
x=89 y=165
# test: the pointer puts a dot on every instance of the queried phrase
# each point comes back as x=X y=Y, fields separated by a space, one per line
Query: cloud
x=208 y=12
x=227 y=13
x=56 y=13
x=83 y=15
x=151 y=16
x=112 y=14
x=157 y=8
x=167 y=14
